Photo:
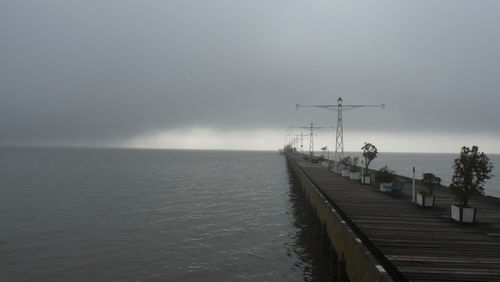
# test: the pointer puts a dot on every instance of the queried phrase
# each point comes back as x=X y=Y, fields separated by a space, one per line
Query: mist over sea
x=153 y=215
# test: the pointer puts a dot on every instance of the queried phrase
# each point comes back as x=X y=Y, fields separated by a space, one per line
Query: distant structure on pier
x=339 y=136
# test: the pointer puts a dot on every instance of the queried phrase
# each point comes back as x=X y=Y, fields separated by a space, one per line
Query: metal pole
x=311 y=143
x=413 y=185
x=302 y=142
x=363 y=171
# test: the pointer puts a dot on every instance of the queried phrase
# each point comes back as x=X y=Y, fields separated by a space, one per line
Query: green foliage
x=426 y=193
x=472 y=169
x=369 y=154
x=385 y=174
x=430 y=181
x=345 y=162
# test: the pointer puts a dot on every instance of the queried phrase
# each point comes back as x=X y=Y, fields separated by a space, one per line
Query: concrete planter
x=345 y=172
x=425 y=201
x=463 y=214
x=325 y=164
x=383 y=189
x=355 y=175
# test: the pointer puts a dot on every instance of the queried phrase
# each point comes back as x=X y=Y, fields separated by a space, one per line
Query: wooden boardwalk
x=422 y=244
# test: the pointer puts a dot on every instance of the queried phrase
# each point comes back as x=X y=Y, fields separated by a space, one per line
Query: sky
x=227 y=74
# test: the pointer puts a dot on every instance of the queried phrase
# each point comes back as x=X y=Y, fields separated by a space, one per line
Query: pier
x=375 y=236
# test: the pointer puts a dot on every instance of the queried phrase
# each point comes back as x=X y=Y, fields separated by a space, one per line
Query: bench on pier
x=396 y=186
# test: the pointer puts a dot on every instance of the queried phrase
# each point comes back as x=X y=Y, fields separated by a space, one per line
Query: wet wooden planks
x=424 y=244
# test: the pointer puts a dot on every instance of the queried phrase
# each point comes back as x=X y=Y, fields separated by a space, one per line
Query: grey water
x=153 y=215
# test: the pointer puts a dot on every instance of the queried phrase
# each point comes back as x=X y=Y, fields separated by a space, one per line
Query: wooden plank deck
x=422 y=243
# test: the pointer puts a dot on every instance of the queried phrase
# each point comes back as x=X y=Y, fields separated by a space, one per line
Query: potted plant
x=354 y=169
x=369 y=154
x=345 y=164
x=426 y=198
x=384 y=177
x=472 y=169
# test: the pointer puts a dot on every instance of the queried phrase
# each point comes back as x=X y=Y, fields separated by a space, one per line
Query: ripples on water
x=135 y=215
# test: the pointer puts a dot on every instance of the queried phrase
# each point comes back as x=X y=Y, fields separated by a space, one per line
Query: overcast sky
x=227 y=74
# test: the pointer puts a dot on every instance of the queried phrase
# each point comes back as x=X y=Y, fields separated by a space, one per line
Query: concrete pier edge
x=363 y=262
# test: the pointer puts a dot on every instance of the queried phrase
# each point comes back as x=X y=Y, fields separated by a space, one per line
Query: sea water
x=152 y=215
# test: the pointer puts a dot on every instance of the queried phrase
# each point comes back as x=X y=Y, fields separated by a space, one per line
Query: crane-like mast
x=296 y=139
x=311 y=137
x=339 y=136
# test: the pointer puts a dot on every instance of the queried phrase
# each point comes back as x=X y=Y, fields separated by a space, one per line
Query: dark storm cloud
x=102 y=71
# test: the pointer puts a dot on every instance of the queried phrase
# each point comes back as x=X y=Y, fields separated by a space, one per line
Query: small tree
x=430 y=181
x=345 y=162
x=385 y=175
x=369 y=154
x=472 y=169
x=325 y=149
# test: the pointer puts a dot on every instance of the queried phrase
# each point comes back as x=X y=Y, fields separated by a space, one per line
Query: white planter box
x=345 y=172
x=463 y=215
x=325 y=164
x=425 y=201
x=382 y=184
x=366 y=180
x=355 y=175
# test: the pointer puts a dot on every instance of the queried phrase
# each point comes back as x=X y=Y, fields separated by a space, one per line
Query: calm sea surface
x=152 y=215
x=164 y=215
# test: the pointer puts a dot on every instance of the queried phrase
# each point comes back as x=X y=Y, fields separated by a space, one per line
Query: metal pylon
x=339 y=107
x=339 y=137
x=296 y=139
x=302 y=142
x=311 y=127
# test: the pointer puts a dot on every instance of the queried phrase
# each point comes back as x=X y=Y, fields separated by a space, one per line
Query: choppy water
x=152 y=215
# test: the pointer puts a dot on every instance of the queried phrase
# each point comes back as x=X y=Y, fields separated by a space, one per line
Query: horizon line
x=201 y=149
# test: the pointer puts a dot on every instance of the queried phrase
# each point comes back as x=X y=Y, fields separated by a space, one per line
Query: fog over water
x=137 y=73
